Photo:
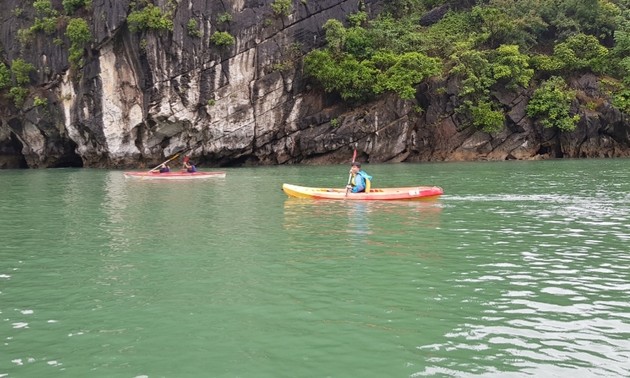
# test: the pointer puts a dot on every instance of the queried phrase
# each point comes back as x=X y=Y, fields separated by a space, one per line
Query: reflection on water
x=362 y=217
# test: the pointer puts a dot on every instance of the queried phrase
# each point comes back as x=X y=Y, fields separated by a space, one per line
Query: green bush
x=21 y=71
x=473 y=67
x=222 y=39
x=45 y=8
x=401 y=73
x=551 y=104
x=582 y=52
x=224 y=17
x=335 y=35
x=352 y=79
x=149 y=17
x=5 y=76
x=78 y=32
x=193 y=29
x=485 y=117
x=621 y=100
x=282 y=7
x=510 y=65
x=70 y=6
x=18 y=95
x=38 y=101
x=357 y=19
x=47 y=24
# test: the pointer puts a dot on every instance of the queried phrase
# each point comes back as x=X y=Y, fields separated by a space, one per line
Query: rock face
x=143 y=96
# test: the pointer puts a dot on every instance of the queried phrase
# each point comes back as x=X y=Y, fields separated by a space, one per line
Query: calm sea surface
x=521 y=269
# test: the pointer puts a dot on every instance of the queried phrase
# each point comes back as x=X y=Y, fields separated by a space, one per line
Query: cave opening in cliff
x=11 y=154
x=69 y=158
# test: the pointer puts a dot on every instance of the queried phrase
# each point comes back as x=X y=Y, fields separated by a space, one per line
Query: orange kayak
x=389 y=194
x=174 y=175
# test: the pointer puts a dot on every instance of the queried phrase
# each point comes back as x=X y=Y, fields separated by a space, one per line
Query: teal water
x=520 y=269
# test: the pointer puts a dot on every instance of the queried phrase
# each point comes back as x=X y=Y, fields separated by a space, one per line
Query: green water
x=520 y=269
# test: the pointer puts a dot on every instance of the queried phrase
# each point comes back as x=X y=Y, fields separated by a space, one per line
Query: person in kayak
x=361 y=181
x=164 y=168
x=188 y=165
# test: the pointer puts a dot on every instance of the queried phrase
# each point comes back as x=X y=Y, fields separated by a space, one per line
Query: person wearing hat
x=360 y=181
x=188 y=165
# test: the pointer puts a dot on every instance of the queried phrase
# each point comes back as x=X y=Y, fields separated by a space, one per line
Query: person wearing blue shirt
x=188 y=165
x=164 y=168
x=360 y=181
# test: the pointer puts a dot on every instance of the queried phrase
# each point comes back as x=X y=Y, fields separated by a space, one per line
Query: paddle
x=354 y=157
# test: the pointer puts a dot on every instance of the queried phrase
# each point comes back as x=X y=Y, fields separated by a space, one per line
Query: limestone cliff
x=140 y=96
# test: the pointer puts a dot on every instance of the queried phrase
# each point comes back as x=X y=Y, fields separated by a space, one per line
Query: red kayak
x=175 y=175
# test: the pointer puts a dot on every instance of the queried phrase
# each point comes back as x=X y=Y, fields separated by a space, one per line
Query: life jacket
x=367 y=178
x=368 y=181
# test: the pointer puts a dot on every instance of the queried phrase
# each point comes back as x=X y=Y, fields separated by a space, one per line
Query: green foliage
x=401 y=73
x=621 y=100
x=151 y=18
x=222 y=39
x=18 y=95
x=38 y=101
x=399 y=36
x=474 y=69
x=335 y=35
x=21 y=71
x=17 y=11
x=495 y=45
x=551 y=104
x=78 y=32
x=282 y=7
x=358 y=18
x=580 y=52
x=400 y=8
x=442 y=38
x=485 y=117
x=46 y=19
x=5 y=76
x=224 y=17
x=345 y=75
x=47 y=24
x=45 y=8
x=357 y=41
x=546 y=63
x=25 y=36
x=510 y=65
x=70 y=6
x=358 y=81
x=193 y=29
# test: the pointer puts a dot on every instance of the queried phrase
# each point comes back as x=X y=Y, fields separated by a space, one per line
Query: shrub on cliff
x=150 y=17
x=5 y=76
x=222 y=39
x=358 y=70
x=551 y=103
x=78 y=32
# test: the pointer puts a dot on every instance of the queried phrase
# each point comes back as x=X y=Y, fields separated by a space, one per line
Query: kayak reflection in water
x=361 y=181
